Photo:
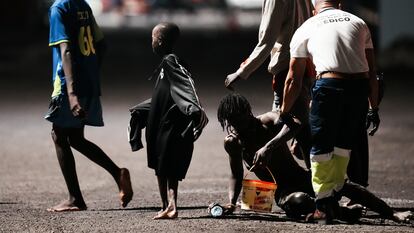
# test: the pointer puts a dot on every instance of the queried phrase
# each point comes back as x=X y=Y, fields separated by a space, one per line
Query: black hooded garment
x=171 y=116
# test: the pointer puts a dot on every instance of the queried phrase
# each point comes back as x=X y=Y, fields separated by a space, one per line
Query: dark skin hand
x=269 y=119
x=286 y=132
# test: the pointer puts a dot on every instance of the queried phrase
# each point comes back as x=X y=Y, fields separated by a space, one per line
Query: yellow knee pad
x=329 y=173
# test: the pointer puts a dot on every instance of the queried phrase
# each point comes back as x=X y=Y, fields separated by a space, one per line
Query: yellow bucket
x=258 y=195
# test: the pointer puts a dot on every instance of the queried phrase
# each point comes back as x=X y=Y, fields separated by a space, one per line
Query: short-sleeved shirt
x=72 y=21
x=335 y=40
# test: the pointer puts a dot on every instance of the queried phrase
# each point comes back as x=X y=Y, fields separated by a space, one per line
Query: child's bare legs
x=173 y=193
x=168 y=192
x=163 y=189
x=67 y=165
x=63 y=139
x=98 y=156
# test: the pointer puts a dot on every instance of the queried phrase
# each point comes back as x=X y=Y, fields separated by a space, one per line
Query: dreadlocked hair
x=230 y=107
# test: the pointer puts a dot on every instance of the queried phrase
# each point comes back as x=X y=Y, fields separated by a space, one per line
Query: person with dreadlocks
x=279 y=21
x=249 y=135
x=246 y=136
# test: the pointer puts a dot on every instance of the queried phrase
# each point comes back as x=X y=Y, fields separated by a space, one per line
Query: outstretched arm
x=234 y=150
x=285 y=128
x=273 y=15
x=363 y=196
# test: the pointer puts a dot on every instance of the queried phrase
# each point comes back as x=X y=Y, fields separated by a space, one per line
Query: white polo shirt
x=335 y=40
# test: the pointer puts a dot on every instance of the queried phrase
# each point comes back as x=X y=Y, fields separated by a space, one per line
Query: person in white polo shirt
x=340 y=46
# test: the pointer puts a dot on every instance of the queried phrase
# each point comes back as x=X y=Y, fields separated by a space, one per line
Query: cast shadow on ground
x=155 y=208
x=271 y=217
x=370 y=219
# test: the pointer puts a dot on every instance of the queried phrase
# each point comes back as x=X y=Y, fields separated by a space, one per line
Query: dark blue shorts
x=59 y=112
x=338 y=110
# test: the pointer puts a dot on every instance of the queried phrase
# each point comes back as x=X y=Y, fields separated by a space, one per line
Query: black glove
x=373 y=118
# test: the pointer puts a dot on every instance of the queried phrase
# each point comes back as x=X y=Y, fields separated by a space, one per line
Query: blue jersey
x=72 y=21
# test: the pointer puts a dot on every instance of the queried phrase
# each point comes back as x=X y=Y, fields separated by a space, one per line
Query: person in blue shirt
x=77 y=45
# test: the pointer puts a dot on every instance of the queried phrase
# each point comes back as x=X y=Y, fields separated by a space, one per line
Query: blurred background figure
x=389 y=21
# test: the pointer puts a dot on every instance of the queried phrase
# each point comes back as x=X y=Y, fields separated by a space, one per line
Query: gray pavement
x=30 y=180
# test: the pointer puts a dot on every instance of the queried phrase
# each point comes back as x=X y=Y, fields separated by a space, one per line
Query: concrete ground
x=30 y=179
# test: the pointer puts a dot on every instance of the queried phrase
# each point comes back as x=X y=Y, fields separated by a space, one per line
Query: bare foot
x=67 y=206
x=403 y=216
x=160 y=215
x=125 y=188
x=172 y=214
x=166 y=214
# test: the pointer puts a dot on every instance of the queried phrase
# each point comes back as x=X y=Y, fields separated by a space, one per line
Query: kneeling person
x=261 y=142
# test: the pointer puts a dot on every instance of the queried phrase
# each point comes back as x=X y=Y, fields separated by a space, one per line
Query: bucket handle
x=250 y=170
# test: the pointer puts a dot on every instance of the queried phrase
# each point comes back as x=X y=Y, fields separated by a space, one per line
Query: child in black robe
x=173 y=118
